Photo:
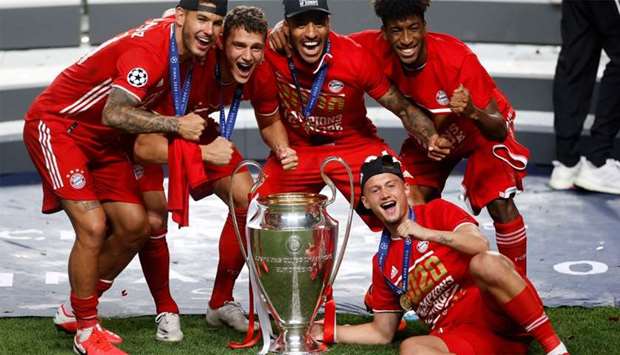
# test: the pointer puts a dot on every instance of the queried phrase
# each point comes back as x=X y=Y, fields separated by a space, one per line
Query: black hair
x=250 y=18
x=389 y=10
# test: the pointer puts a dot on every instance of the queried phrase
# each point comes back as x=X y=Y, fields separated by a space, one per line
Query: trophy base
x=293 y=344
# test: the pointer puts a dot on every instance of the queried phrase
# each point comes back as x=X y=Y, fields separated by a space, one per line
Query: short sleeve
x=263 y=90
x=476 y=79
x=137 y=71
x=448 y=216
x=382 y=297
x=371 y=75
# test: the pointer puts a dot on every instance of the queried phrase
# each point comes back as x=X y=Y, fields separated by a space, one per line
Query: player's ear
x=219 y=41
x=179 y=16
x=365 y=202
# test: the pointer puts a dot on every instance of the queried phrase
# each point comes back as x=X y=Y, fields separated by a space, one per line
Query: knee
x=503 y=210
x=92 y=234
x=158 y=224
x=490 y=268
x=134 y=230
x=411 y=347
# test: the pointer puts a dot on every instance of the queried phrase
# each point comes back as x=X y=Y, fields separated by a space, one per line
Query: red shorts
x=307 y=176
x=494 y=169
x=76 y=163
x=151 y=176
x=477 y=325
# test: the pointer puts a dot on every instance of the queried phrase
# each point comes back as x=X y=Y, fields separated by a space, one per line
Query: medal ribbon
x=180 y=98
x=227 y=124
x=317 y=84
x=384 y=246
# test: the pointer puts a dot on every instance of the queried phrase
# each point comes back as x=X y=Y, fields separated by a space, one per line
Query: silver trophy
x=292 y=254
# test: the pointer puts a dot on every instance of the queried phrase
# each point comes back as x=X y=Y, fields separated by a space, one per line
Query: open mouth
x=204 y=41
x=244 y=68
x=408 y=52
x=311 y=47
x=389 y=207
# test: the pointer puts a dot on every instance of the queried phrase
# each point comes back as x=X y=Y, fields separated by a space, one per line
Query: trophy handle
x=231 y=201
x=332 y=186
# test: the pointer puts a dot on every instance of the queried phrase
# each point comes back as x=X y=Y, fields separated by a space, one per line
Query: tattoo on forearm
x=414 y=120
x=120 y=112
x=444 y=239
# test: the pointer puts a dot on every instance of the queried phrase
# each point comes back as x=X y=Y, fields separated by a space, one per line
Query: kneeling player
x=434 y=260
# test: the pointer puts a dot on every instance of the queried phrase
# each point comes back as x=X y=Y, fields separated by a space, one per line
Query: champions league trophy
x=291 y=248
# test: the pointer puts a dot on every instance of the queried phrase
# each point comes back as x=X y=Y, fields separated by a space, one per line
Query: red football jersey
x=340 y=114
x=449 y=63
x=135 y=61
x=438 y=275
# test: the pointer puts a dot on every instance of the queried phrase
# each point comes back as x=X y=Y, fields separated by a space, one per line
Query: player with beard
x=72 y=134
x=321 y=88
x=230 y=75
x=434 y=260
x=441 y=74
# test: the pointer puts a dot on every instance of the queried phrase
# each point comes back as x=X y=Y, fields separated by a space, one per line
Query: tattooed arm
x=416 y=122
x=467 y=238
x=120 y=112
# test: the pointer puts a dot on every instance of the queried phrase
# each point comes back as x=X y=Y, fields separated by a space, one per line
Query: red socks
x=230 y=262
x=102 y=286
x=85 y=310
x=155 y=261
x=512 y=242
x=527 y=310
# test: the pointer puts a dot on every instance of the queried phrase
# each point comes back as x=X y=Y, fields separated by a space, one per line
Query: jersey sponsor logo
x=422 y=246
x=335 y=86
x=77 y=180
x=442 y=98
x=137 y=77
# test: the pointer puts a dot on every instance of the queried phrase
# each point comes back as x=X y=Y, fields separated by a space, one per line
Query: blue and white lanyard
x=180 y=98
x=227 y=125
x=384 y=246
x=315 y=91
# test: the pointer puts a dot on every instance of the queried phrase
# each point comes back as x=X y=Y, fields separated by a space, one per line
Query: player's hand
x=438 y=147
x=278 y=39
x=317 y=330
x=288 y=157
x=411 y=229
x=191 y=126
x=460 y=102
x=218 y=152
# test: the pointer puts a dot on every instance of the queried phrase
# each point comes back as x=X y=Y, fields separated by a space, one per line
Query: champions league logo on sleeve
x=137 y=77
x=77 y=179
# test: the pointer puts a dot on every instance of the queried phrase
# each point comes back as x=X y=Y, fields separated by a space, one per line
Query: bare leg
x=424 y=345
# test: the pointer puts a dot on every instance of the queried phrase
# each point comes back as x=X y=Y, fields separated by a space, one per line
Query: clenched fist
x=191 y=126
x=288 y=157
x=218 y=152
x=460 y=102
x=438 y=147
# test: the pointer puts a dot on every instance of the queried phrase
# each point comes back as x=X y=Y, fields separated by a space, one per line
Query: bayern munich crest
x=422 y=246
x=442 y=98
x=336 y=86
x=77 y=180
x=137 y=77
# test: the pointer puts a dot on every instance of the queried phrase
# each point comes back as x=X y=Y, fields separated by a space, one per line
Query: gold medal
x=405 y=303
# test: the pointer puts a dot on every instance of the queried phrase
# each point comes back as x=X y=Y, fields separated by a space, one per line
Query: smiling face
x=199 y=30
x=244 y=51
x=406 y=36
x=308 y=33
x=386 y=196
